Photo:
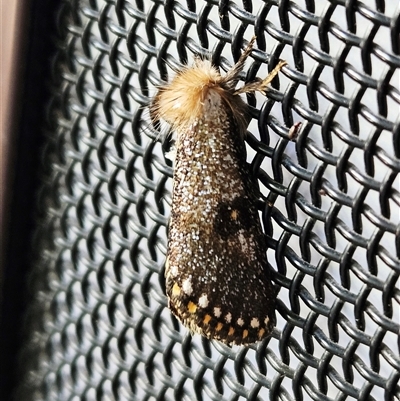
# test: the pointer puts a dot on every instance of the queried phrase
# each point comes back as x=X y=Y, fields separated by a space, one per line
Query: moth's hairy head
x=189 y=96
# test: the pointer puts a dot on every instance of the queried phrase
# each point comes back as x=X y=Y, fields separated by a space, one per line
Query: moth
x=217 y=278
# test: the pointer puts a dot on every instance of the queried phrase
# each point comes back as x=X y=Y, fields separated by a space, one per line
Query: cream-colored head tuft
x=183 y=100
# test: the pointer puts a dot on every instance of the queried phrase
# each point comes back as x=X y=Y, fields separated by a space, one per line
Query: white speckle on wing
x=203 y=301
x=187 y=286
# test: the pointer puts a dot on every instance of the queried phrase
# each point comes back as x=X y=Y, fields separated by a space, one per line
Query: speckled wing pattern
x=217 y=279
x=216 y=276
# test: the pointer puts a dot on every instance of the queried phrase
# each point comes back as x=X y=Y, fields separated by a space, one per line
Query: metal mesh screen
x=97 y=326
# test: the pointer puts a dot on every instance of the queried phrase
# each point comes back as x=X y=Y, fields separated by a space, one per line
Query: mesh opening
x=97 y=327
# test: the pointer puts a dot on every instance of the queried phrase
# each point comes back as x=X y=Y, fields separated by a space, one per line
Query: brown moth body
x=217 y=278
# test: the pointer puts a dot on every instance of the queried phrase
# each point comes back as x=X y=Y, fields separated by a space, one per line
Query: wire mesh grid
x=97 y=326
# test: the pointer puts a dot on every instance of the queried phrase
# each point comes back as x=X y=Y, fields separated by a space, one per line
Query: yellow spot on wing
x=176 y=290
x=219 y=326
x=231 y=331
x=192 y=307
x=206 y=319
x=234 y=214
x=245 y=333
x=261 y=333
